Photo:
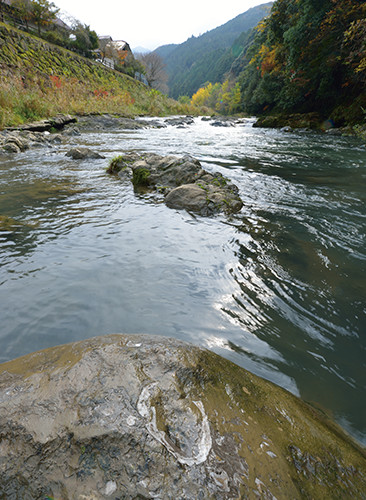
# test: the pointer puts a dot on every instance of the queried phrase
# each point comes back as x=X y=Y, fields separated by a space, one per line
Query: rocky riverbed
x=61 y=127
x=138 y=416
x=183 y=181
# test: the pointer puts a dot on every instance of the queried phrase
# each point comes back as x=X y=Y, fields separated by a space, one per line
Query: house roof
x=120 y=44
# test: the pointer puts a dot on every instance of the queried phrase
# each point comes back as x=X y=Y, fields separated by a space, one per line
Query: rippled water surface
x=279 y=289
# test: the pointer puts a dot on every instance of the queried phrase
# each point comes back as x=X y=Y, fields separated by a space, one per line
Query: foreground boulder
x=137 y=416
x=185 y=184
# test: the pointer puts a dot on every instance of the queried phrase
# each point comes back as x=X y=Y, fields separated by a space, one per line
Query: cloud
x=151 y=24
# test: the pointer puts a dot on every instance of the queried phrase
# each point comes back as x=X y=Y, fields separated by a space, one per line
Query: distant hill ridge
x=192 y=63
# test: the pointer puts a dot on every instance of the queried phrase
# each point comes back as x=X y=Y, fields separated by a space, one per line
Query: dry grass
x=27 y=97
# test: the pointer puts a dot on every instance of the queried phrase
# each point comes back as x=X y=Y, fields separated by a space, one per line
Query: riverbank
x=39 y=80
x=309 y=121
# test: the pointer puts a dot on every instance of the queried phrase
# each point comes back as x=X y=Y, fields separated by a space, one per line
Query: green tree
x=24 y=9
x=306 y=56
x=43 y=13
x=85 y=39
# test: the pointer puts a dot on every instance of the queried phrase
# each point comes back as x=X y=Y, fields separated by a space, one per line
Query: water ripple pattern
x=279 y=288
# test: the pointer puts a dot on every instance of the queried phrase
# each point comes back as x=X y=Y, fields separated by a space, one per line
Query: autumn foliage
x=308 y=56
x=305 y=56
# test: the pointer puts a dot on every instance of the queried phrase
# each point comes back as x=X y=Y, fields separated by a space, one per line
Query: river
x=279 y=288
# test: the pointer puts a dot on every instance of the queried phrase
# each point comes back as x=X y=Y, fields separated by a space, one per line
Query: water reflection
x=278 y=288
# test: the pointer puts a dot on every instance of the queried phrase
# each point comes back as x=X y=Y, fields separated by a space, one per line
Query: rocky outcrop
x=224 y=121
x=57 y=122
x=180 y=121
x=137 y=416
x=108 y=121
x=185 y=184
x=35 y=134
x=80 y=153
x=17 y=141
x=299 y=120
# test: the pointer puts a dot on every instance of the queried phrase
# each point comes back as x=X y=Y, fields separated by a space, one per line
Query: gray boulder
x=80 y=153
x=203 y=199
x=58 y=122
x=137 y=416
x=183 y=180
x=189 y=196
x=14 y=143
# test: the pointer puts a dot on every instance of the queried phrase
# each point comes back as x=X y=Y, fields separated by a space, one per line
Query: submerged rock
x=183 y=181
x=137 y=416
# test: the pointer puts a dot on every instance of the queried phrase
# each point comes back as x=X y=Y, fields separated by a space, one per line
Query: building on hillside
x=113 y=53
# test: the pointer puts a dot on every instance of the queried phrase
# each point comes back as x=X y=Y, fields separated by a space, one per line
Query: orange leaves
x=56 y=81
x=100 y=93
x=270 y=63
x=122 y=54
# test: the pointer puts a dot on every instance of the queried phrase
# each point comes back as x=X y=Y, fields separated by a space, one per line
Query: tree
x=24 y=9
x=85 y=40
x=43 y=12
x=154 y=71
x=355 y=45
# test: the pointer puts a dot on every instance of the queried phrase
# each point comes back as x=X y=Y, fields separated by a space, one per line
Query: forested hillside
x=207 y=57
x=307 y=56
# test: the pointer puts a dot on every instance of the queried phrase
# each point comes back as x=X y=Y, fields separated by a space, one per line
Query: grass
x=39 y=80
x=28 y=96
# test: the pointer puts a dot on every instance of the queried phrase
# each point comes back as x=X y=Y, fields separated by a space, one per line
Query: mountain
x=307 y=61
x=140 y=50
x=192 y=63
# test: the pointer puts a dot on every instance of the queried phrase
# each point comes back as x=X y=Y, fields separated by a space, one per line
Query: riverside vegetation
x=302 y=58
x=39 y=80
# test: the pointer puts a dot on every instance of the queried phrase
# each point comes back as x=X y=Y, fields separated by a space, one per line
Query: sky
x=151 y=23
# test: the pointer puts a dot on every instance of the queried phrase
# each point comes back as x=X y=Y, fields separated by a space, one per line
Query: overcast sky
x=151 y=23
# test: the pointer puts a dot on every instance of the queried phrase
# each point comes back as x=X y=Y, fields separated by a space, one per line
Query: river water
x=279 y=288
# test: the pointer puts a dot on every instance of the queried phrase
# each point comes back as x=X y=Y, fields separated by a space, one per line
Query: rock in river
x=138 y=416
x=184 y=182
x=80 y=153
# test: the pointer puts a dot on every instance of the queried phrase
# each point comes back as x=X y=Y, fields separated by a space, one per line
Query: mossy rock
x=142 y=416
x=140 y=176
x=8 y=223
x=306 y=120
